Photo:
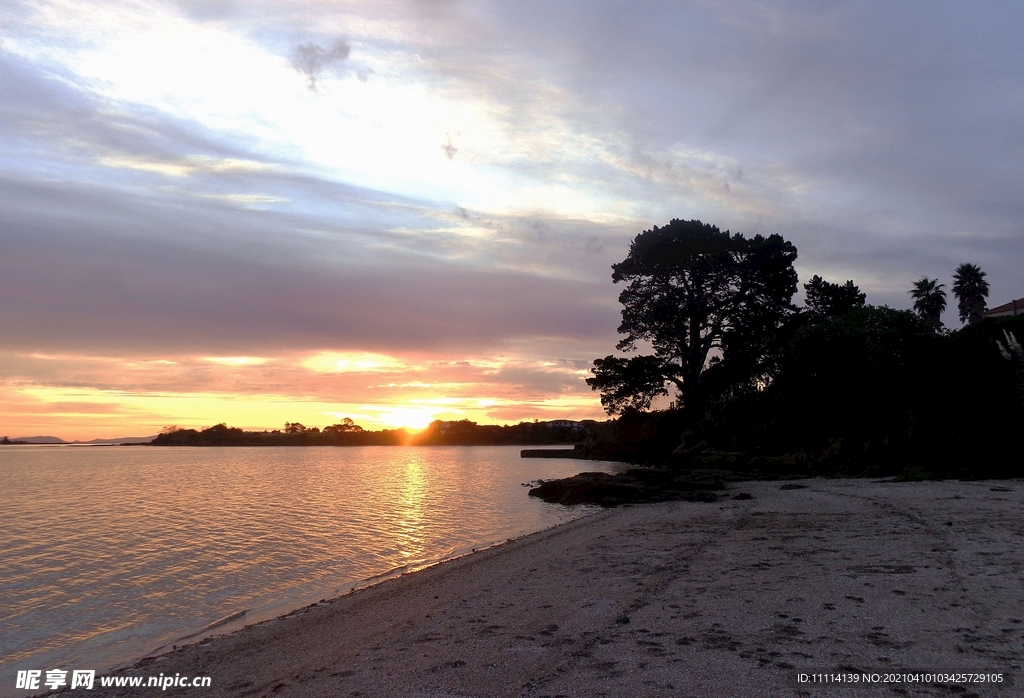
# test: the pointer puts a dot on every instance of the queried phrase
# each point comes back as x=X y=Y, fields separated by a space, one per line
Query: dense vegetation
x=835 y=387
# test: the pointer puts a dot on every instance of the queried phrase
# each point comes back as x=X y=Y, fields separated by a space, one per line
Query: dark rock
x=793 y=486
x=634 y=485
x=589 y=488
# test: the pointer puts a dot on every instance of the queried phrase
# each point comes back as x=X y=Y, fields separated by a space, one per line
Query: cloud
x=449 y=150
x=208 y=9
x=355 y=362
x=879 y=138
x=88 y=266
x=237 y=360
x=311 y=59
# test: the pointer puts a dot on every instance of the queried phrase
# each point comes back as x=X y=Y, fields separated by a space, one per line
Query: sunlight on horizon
x=408 y=417
x=88 y=397
x=88 y=413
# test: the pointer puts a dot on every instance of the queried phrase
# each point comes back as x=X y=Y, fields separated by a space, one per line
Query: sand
x=674 y=599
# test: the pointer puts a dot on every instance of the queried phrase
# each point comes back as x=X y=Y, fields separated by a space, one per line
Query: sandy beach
x=733 y=598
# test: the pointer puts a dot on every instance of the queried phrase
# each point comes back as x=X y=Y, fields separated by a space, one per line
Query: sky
x=398 y=211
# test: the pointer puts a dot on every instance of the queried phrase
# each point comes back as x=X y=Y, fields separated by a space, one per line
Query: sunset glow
x=246 y=392
x=410 y=418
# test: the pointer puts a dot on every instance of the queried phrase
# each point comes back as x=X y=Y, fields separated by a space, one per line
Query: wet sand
x=675 y=599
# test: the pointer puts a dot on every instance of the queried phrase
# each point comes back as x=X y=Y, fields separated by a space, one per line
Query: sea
x=109 y=554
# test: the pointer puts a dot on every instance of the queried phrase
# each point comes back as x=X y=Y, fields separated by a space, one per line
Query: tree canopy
x=832 y=300
x=344 y=427
x=970 y=290
x=929 y=301
x=690 y=289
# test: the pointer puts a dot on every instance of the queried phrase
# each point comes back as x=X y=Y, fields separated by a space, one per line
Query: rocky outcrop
x=635 y=485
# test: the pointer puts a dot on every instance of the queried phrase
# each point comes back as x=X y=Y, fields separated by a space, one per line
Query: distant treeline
x=347 y=433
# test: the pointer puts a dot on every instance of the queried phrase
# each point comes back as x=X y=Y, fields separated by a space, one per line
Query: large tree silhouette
x=689 y=287
x=929 y=301
x=971 y=290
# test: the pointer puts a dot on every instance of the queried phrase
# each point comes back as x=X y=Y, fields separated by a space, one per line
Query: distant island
x=348 y=433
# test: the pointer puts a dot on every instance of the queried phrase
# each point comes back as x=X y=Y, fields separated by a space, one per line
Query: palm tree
x=971 y=290
x=929 y=301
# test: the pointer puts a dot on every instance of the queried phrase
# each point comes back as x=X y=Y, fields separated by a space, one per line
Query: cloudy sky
x=396 y=211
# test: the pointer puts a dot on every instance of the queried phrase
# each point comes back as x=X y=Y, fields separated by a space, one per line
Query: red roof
x=1012 y=308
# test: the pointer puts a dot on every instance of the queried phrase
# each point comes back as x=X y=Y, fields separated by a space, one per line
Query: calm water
x=110 y=553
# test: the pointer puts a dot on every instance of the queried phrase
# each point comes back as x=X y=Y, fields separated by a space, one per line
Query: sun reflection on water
x=411 y=519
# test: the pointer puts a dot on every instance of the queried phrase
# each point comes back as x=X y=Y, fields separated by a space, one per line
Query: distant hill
x=122 y=440
x=92 y=442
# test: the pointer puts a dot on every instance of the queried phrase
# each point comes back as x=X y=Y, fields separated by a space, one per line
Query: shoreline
x=673 y=599
x=245 y=618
